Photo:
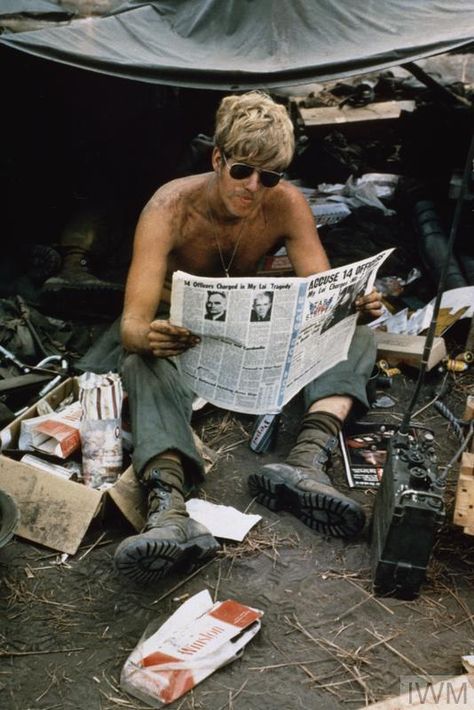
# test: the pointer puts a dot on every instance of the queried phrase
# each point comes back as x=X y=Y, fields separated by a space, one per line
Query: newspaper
x=264 y=338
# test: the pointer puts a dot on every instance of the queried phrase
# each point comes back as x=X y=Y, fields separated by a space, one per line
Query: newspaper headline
x=263 y=338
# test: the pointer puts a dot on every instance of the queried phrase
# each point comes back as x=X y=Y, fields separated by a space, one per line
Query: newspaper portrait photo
x=244 y=367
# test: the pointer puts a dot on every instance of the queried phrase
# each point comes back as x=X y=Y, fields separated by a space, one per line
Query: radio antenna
x=404 y=427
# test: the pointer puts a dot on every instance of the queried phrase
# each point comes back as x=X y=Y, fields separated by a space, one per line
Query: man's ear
x=216 y=159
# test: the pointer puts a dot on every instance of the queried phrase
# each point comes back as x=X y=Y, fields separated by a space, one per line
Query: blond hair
x=253 y=127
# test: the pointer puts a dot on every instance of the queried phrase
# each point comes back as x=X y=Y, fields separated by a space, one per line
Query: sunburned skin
x=182 y=227
x=197 y=226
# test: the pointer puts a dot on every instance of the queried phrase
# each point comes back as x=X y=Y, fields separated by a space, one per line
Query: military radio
x=409 y=511
x=409 y=508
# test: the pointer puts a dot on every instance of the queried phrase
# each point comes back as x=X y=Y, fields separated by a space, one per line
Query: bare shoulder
x=293 y=195
x=287 y=203
x=175 y=198
x=297 y=225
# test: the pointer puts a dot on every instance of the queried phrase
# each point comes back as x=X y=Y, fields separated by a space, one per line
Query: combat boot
x=170 y=538
x=75 y=288
x=302 y=486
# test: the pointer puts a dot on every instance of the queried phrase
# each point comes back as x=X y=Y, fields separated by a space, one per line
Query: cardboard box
x=53 y=511
x=407 y=349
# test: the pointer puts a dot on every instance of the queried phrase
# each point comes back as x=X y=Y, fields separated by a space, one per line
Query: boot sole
x=145 y=561
x=330 y=515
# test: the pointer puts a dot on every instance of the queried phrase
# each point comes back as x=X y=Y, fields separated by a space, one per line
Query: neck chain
x=226 y=267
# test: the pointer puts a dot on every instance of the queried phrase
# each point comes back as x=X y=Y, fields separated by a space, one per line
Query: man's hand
x=166 y=339
x=369 y=306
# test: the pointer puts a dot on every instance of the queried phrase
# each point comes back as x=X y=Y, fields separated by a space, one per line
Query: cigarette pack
x=196 y=640
x=56 y=433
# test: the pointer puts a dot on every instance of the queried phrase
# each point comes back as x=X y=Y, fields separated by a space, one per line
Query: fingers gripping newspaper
x=264 y=339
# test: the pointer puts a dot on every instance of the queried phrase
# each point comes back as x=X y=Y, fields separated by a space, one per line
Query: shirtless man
x=217 y=224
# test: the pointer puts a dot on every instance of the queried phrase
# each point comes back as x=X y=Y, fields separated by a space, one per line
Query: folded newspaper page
x=264 y=338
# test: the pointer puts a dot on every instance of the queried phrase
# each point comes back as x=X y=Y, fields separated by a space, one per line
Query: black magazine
x=364 y=450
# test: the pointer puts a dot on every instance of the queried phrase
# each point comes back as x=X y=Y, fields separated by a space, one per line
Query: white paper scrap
x=221 y=520
x=398 y=322
x=457 y=298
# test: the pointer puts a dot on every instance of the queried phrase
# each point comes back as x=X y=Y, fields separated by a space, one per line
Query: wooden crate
x=464 y=507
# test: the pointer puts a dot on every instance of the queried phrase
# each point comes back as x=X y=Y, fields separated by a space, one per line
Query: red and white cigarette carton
x=196 y=640
x=56 y=433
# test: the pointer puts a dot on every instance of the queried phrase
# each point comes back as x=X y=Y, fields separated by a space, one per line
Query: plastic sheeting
x=239 y=44
x=31 y=7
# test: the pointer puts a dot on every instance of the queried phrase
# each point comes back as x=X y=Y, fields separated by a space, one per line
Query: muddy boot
x=74 y=288
x=42 y=262
x=170 y=537
x=302 y=486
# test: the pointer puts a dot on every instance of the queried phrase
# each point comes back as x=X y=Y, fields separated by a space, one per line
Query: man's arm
x=303 y=245
x=153 y=243
x=307 y=254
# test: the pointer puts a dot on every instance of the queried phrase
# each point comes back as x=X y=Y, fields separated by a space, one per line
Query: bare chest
x=208 y=250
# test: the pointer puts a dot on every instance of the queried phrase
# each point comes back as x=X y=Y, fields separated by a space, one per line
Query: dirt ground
x=67 y=625
x=326 y=641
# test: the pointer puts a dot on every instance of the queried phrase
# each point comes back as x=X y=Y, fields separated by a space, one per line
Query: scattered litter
x=468 y=663
x=325 y=210
x=394 y=285
x=387 y=370
x=398 y=323
x=69 y=470
x=44 y=407
x=195 y=641
x=362 y=192
x=466 y=356
x=384 y=402
x=222 y=520
x=455 y=304
x=384 y=184
x=101 y=398
x=181 y=598
x=453 y=365
x=61 y=559
x=333 y=202
x=55 y=433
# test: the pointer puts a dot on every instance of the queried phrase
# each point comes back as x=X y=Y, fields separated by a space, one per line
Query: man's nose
x=253 y=182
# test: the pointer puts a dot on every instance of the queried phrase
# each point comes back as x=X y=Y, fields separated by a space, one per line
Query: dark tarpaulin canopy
x=239 y=44
x=32 y=8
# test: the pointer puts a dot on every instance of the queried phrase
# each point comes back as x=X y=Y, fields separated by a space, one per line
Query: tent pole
x=442 y=91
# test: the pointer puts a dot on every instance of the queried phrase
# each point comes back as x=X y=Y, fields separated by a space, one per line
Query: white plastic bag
x=101 y=397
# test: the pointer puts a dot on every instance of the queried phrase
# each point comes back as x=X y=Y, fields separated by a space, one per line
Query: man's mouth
x=246 y=198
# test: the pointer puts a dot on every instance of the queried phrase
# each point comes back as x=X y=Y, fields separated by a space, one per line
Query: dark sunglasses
x=242 y=171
